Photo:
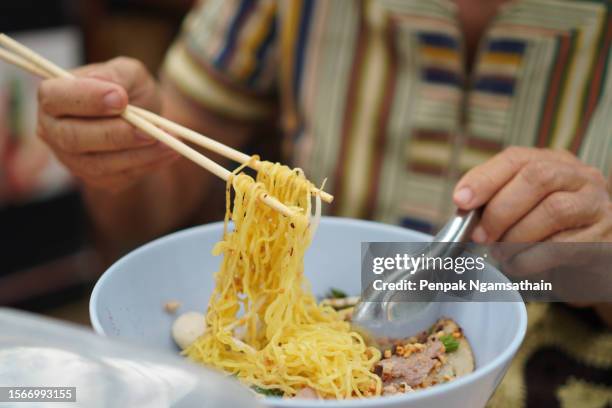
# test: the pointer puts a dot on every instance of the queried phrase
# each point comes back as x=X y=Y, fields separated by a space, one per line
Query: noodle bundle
x=263 y=324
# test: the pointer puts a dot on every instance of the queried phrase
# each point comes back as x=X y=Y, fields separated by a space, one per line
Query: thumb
x=131 y=75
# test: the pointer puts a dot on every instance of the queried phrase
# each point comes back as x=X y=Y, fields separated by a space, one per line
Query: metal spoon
x=378 y=313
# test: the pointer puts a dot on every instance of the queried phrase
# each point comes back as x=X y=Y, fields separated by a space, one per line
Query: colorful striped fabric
x=374 y=95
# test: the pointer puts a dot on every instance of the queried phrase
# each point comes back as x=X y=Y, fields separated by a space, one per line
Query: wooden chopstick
x=36 y=64
x=179 y=130
x=23 y=64
x=211 y=144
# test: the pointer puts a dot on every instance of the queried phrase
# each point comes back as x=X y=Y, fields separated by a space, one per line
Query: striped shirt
x=374 y=96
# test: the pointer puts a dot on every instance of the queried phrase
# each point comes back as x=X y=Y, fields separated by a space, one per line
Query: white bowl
x=128 y=301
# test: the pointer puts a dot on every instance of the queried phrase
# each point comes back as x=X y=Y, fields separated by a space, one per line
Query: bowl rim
x=479 y=372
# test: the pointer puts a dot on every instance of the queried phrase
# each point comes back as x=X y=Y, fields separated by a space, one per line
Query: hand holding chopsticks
x=152 y=124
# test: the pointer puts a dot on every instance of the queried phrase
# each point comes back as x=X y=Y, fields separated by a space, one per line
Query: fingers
x=97 y=167
x=482 y=182
x=558 y=212
x=126 y=72
x=132 y=76
x=525 y=261
x=79 y=119
x=86 y=97
x=530 y=194
x=534 y=181
x=100 y=90
x=82 y=135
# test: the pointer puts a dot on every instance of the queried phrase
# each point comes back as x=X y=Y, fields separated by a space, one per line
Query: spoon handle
x=457 y=230
x=460 y=227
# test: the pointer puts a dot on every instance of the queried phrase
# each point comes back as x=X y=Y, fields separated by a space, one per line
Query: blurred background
x=47 y=264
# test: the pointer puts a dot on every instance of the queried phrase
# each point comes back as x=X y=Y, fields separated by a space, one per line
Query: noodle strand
x=263 y=323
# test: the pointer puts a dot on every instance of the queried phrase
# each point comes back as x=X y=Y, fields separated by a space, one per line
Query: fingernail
x=113 y=100
x=463 y=196
x=480 y=235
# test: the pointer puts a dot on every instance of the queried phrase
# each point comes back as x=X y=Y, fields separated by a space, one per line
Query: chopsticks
x=151 y=123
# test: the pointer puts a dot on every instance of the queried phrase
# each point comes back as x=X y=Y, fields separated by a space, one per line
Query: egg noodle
x=263 y=324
